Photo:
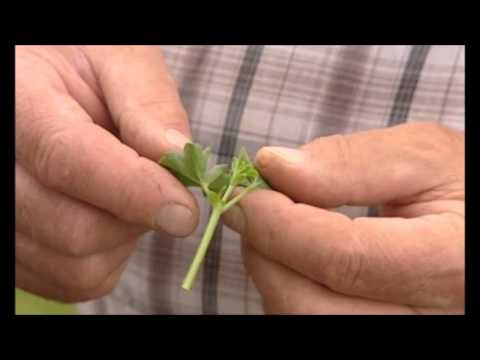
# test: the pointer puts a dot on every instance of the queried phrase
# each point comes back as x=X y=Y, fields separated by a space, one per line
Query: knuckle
x=83 y=236
x=349 y=270
x=51 y=162
x=339 y=144
x=337 y=155
x=130 y=124
x=313 y=255
x=343 y=147
x=167 y=108
x=346 y=265
x=434 y=145
x=273 y=233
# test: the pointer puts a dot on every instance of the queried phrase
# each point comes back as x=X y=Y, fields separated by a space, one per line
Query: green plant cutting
x=217 y=184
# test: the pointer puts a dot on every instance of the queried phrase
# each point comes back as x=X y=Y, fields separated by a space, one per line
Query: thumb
x=366 y=168
x=142 y=97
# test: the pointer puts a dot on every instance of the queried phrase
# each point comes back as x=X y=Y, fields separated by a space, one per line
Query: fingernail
x=176 y=138
x=175 y=219
x=235 y=219
x=290 y=155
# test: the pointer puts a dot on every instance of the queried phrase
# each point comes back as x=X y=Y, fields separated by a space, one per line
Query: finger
x=377 y=258
x=84 y=274
x=32 y=283
x=366 y=168
x=142 y=97
x=67 y=68
x=59 y=145
x=28 y=281
x=68 y=226
x=286 y=292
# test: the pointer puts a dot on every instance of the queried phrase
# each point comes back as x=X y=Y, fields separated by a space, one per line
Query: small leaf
x=262 y=183
x=175 y=162
x=186 y=181
x=243 y=156
x=217 y=177
x=243 y=170
x=196 y=160
x=190 y=167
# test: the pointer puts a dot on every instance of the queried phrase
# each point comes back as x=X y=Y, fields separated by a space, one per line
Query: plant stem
x=228 y=192
x=202 y=248
x=237 y=198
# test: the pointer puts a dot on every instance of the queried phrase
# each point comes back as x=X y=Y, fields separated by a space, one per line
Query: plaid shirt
x=251 y=96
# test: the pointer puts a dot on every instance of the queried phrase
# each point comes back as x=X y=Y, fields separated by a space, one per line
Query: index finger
x=286 y=292
x=409 y=261
x=142 y=97
x=62 y=147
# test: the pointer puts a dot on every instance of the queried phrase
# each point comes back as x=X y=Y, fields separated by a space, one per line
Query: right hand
x=91 y=122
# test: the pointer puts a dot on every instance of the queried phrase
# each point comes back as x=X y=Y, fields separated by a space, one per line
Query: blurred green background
x=29 y=304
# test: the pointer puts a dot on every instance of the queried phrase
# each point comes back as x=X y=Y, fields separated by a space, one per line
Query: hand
x=91 y=121
x=306 y=259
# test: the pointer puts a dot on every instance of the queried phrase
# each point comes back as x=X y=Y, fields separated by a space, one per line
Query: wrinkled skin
x=305 y=258
x=91 y=122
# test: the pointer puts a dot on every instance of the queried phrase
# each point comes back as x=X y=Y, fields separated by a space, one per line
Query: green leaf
x=175 y=162
x=191 y=168
x=244 y=172
x=240 y=167
x=243 y=156
x=196 y=160
x=217 y=177
x=261 y=183
x=258 y=181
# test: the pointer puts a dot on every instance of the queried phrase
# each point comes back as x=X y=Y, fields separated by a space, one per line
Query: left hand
x=306 y=259
x=91 y=123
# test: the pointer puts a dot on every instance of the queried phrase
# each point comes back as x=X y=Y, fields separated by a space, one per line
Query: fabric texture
x=252 y=96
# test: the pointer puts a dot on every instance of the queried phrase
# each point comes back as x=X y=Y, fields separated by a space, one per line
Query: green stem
x=202 y=248
x=228 y=192
x=237 y=198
